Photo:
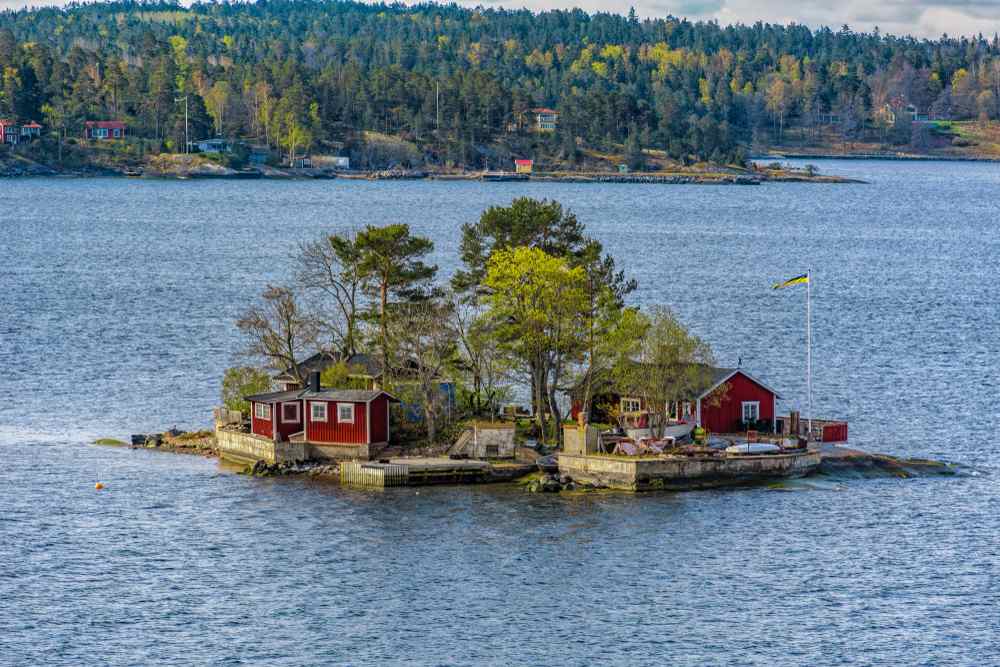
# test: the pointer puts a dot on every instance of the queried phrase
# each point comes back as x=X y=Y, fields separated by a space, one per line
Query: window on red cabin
x=262 y=411
x=290 y=413
x=318 y=412
x=345 y=413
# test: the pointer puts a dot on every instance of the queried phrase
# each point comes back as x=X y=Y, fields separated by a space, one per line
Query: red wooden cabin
x=104 y=129
x=746 y=401
x=336 y=422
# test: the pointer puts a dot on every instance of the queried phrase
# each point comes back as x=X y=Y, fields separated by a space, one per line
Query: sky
x=920 y=18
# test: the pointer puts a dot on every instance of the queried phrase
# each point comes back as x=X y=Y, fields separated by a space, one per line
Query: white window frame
x=755 y=409
x=631 y=403
x=291 y=420
x=340 y=417
x=262 y=411
x=312 y=411
x=686 y=409
x=118 y=132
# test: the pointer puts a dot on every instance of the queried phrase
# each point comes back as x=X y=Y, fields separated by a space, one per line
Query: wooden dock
x=414 y=472
x=377 y=475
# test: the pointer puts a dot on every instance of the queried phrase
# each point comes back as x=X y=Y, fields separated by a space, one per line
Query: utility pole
x=187 y=139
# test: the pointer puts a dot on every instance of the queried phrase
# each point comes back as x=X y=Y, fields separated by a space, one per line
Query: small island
x=529 y=365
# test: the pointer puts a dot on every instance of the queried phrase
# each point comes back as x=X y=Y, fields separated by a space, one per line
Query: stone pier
x=681 y=473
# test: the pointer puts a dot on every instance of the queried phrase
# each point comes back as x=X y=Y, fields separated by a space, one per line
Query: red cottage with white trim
x=746 y=401
x=104 y=129
x=335 y=423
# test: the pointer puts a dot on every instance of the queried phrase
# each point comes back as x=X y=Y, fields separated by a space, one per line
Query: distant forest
x=325 y=74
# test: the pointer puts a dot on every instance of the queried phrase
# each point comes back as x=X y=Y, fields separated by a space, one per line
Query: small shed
x=524 y=166
x=486 y=441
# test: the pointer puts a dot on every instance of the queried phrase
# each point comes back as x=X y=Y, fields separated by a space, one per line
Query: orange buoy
x=98 y=486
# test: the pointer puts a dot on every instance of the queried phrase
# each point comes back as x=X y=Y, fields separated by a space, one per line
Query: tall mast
x=809 y=387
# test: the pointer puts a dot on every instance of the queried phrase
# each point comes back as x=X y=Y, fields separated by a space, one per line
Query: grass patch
x=112 y=442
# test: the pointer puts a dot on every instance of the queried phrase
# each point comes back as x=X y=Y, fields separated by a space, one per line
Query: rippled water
x=116 y=315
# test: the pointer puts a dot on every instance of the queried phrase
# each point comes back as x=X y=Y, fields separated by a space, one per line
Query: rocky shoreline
x=191 y=169
x=838 y=462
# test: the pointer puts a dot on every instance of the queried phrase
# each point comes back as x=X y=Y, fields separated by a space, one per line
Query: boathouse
x=731 y=400
x=333 y=423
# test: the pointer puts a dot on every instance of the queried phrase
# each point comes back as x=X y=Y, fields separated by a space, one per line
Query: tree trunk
x=429 y=417
x=556 y=417
x=537 y=397
x=384 y=326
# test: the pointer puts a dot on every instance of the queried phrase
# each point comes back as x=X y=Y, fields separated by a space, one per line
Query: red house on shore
x=732 y=401
x=104 y=129
x=746 y=402
x=12 y=133
x=336 y=423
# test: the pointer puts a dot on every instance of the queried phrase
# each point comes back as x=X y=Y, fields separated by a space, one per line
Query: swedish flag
x=797 y=280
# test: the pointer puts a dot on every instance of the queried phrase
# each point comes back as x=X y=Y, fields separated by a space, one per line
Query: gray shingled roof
x=348 y=395
x=345 y=395
x=275 y=396
x=360 y=362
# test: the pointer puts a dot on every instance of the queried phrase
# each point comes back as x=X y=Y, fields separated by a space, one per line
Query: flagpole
x=809 y=386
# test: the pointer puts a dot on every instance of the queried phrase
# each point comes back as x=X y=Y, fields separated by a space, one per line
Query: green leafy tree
x=240 y=381
x=526 y=222
x=538 y=303
x=667 y=363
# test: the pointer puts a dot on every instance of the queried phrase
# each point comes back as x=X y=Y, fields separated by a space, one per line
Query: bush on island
x=240 y=381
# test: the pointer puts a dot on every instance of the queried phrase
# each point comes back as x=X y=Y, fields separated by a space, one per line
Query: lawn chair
x=626 y=448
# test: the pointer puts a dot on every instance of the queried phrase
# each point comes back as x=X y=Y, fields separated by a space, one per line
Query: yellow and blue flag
x=797 y=280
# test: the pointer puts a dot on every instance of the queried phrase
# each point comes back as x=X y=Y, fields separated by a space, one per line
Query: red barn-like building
x=746 y=402
x=336 y=423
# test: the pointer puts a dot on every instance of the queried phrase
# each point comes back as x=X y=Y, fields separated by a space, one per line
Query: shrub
x=240 y=381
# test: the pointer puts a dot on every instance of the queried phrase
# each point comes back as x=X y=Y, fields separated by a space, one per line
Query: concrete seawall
x=683 y=473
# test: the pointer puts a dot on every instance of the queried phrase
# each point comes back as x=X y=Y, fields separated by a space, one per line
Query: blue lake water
x=117 y=304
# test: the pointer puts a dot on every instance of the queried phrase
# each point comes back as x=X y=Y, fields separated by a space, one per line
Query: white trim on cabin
x=312 y=411
x=340 y=412
x=630 y=404
x=728 y=377
x=754 y=411
x=262 y=411
x=368 y=423
x=298 y=412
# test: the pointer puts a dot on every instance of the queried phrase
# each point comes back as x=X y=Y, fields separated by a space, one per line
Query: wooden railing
x=376 y=475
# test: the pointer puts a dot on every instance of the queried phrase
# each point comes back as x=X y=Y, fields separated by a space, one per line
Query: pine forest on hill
x=441 y=84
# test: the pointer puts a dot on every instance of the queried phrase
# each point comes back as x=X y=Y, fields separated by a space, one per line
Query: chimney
x=314 y=381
